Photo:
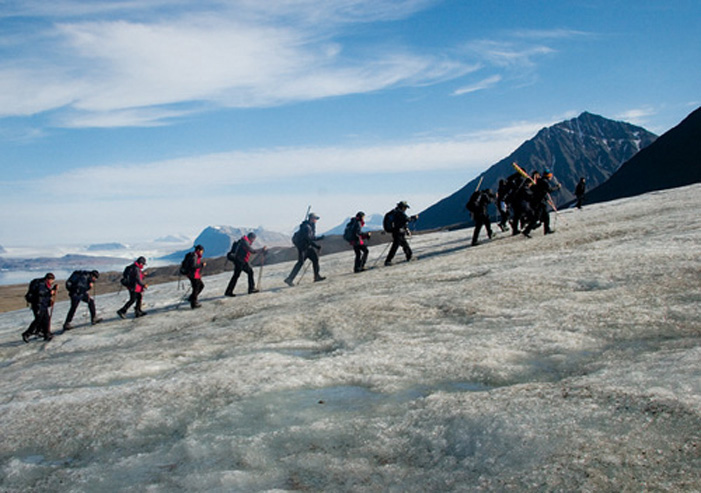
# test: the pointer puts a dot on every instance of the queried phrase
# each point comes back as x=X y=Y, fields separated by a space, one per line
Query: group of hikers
x=522 y=202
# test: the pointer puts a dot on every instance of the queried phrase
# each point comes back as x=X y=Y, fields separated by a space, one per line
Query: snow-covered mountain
x=373 y=222
x=567 y=362
x=217 y=240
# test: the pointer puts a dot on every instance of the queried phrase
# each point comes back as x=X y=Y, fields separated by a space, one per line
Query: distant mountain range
x=373 y=222
x=671 y=161
x=589 y=146
x=99 y=247
x=217 y=240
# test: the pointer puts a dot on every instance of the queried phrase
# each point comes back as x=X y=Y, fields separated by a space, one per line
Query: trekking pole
x=183 y=298
x=377 y=260
x=479 y=183
x=304 y=271
x=260 y=272
x=51 y=310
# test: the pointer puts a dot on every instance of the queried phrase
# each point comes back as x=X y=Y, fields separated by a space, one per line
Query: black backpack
x=234 y=250
x=388 y=222
x=186 y=264
x=32 y=295
x=472 y=203
x=298 y=239
x=74 y=280
x=348 y=232
x=127 y=276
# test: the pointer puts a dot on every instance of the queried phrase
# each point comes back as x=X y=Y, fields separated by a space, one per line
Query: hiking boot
x=140 y=314
x=549 y=232
x=230 y=295
x=48 y=336
x=193 y=306
x=67 y=326
x=388 y=263
x=254 y=290
x=25 y=337
x=96 y=320
x=122 y=314
x=526 y=234
x=319 y=278
x=289 y=282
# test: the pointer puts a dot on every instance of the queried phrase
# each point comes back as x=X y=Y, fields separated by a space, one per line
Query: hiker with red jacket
x=134 y=281
x=353 y=234
x=41 y=295
x=192 y=268
x=240 y=255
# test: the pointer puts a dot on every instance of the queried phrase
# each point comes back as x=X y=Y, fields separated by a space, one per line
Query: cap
x=141 y=260
x=199 y=248
x=360 y=214
x=252 y=235
x=403 y=204
x=49 y=275
x=95 y=274
x=313 y=216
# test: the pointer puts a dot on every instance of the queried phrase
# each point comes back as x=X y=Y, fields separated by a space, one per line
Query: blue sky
x=128 y=120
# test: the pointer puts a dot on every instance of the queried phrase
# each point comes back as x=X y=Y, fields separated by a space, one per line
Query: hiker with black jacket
x=579 y=192
x=240 y=255
x=353 y=234
x=305 y=240
x=477 y=205
x=134 y=281
x=78 y=285
x=502 y=204
x=541 y=189
x=400 y=230
x=41 y=295
x=192 y=267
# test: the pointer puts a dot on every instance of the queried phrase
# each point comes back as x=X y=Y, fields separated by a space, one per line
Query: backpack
x=234 y=250
x=126 y=276
x=298 y=238
x=472 y=203
x=32 y=295
x=348 y=232
x=186 y=264
x=388 y=221
x=73 y=281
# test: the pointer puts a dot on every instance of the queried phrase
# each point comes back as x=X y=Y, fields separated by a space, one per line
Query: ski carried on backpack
x=521 y=171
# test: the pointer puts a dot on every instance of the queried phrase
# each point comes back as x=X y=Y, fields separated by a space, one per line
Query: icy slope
x=566 y=362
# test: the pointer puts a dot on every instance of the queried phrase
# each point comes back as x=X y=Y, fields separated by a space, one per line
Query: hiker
x=477 y=205
x=78 y=285
x=502 y=205
x=133 y=279
x=520 y=198
x=240 y=255
x=305 y=240
x=399 y=229
x=192 y=266
x=41 y=295
x=579 y=192
x=541 y=189
x=353 y=234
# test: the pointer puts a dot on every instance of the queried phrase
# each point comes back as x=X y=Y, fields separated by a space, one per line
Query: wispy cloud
x=637 y=116
x=152 y=191
x=224 y=54
x=483 y=84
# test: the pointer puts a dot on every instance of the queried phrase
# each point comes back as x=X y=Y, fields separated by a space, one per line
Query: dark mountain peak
x=671 y=161
x=589 y=146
